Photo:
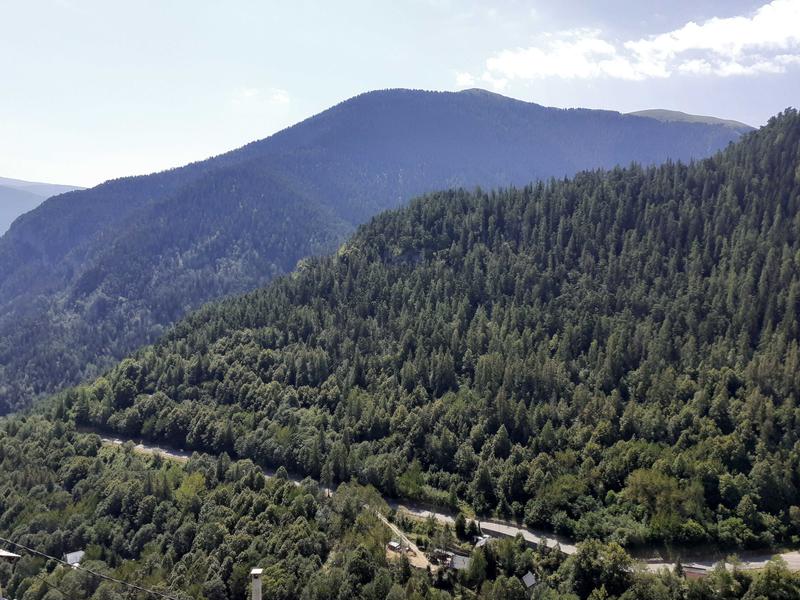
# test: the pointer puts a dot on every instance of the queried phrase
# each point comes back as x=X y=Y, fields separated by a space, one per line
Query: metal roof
x=458 y=562
x=74 y=558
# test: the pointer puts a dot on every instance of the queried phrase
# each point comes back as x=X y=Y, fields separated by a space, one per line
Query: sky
x=96 y=89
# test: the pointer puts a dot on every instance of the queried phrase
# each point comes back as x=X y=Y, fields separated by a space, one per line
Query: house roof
x=529 y=579
x=7 y=554
x=74 y=558
x=458 y=562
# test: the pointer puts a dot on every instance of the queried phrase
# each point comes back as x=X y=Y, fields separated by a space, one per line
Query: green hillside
x=92 y=275
x=193 y=531
x=615 y=355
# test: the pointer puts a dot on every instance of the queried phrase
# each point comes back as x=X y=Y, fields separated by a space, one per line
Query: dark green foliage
x=195 y=530
x=89 y=276
x=598 y=565
x=613 y=356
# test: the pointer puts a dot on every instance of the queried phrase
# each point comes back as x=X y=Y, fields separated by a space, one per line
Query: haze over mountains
x=90 y=275
x=18 y=197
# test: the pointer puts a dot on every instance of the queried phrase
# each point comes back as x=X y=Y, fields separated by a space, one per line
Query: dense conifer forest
x=612 y=356
x=90 y=276
x=306 y=337
x=193 y=532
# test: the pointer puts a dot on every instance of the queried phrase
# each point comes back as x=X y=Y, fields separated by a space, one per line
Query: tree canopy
x=92 y=275
x=612 y=356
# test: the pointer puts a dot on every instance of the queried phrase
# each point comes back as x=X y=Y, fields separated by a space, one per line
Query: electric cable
x=138 y=588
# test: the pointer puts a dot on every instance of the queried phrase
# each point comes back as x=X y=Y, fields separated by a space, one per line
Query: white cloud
x=279 y=96
x=245 y=96
x=498 y=83
x=774 y=26
x=768 y=41
x=464 y=79
x=579 y=53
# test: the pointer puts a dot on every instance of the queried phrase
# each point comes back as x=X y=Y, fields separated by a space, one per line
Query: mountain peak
x=481 y=92
x=146 y=249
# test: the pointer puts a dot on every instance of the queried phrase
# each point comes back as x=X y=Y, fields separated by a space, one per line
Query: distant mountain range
x=18 y=197
x=677 y=116
x=90 y=275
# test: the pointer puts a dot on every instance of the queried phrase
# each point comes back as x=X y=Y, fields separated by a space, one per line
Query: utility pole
x=255 y=576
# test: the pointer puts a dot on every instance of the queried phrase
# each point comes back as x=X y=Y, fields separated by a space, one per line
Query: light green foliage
x=195 y=530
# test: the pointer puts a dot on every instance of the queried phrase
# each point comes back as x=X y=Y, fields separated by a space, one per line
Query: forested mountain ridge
x=613 y=355
x=18 y=197
x=14 y=202
x=675 y=115
x=91 y=275
x=44 y=190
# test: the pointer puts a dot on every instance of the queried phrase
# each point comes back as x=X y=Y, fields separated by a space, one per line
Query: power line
x=50 y=585
x=95 y=573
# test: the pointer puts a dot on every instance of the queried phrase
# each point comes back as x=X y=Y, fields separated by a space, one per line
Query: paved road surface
x=494 y=528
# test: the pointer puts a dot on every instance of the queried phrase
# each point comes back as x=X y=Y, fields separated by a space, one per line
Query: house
x=439 y=556
x=459 y=563
x=449 y=560
x=529 y=580
x=695 y=570
x=73 y=559
x=394 y=546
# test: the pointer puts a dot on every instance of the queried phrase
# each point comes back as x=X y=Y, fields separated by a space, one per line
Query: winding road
x=495 y=527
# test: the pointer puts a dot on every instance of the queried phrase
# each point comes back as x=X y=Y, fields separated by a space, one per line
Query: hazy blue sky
x=96 y=89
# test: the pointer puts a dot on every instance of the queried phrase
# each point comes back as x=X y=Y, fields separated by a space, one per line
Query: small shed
x=394 y=546
x=529 y=579
x=695 y=570
x=482 y=541
x=73 y=559
x=459 y=563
